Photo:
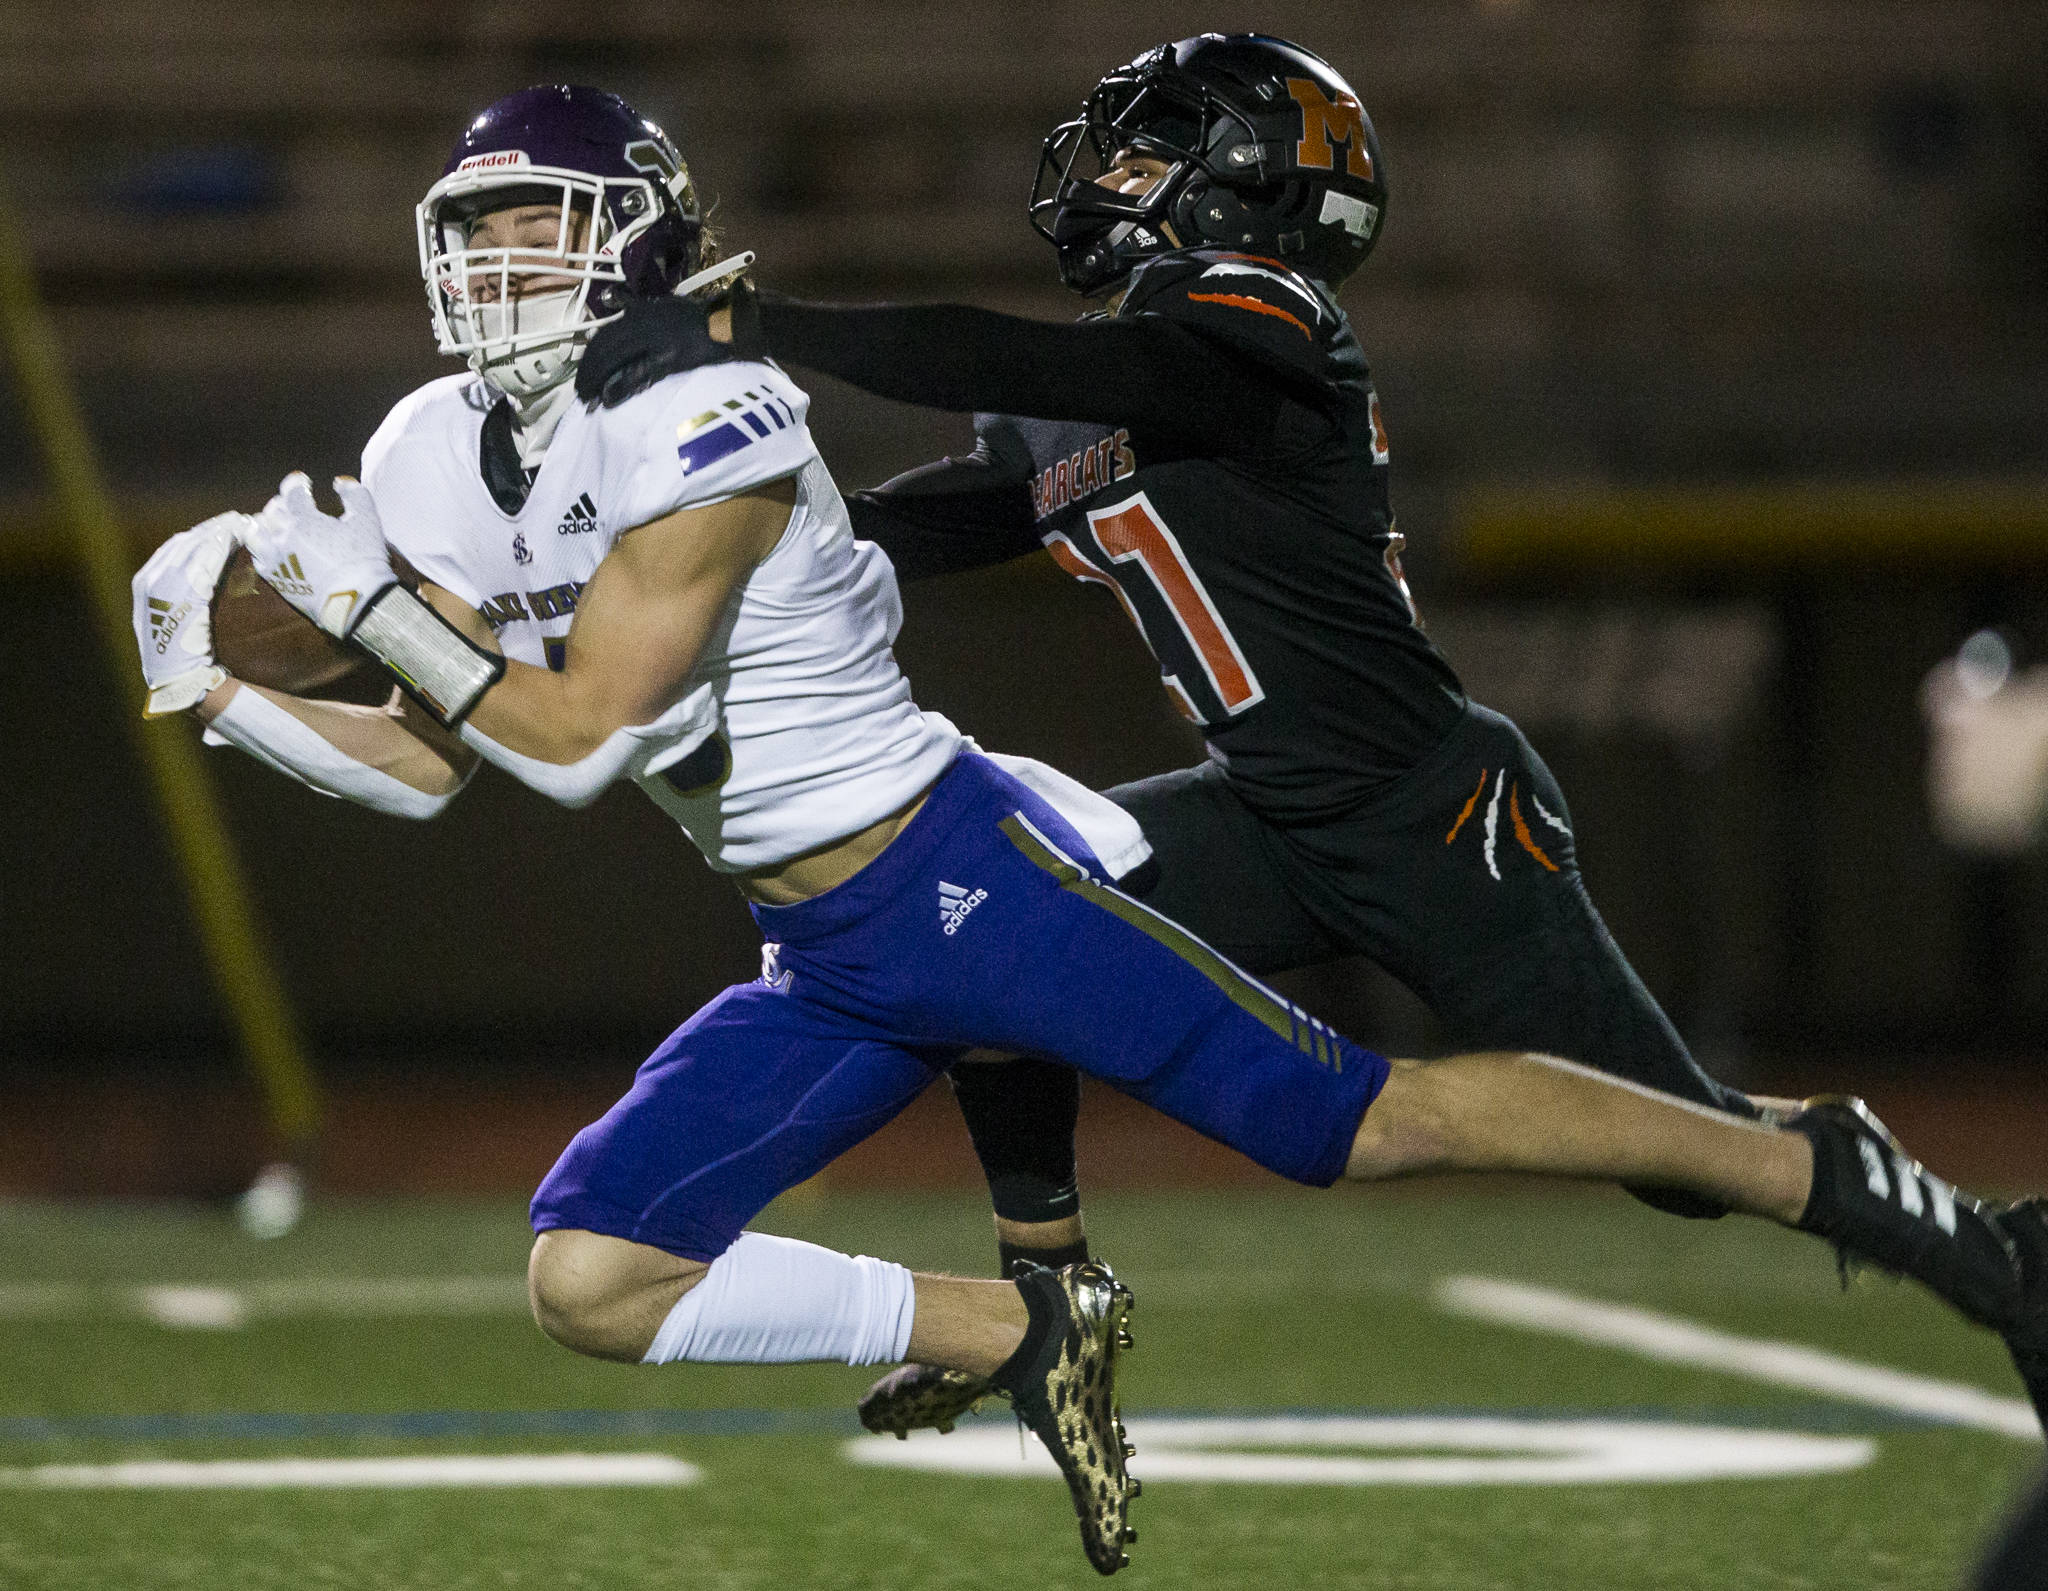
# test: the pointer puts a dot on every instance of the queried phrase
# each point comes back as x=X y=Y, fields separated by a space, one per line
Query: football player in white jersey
x=669 y=591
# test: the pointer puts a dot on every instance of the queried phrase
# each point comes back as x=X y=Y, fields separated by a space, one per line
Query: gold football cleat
x=1067 y=1395
x=922 y=1397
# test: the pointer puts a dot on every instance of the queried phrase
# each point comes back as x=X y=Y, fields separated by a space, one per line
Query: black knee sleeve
x=1021 y=1116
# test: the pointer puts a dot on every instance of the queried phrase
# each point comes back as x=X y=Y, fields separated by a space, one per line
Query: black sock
x=1044 y=1316
x=1010 y=1255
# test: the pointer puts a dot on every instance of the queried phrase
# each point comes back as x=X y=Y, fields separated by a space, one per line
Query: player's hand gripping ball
x=329 y=567
x=173 y=595
x=261 y=639
x=203 y=615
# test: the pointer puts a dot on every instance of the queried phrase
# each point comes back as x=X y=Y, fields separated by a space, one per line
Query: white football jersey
x=812 y=735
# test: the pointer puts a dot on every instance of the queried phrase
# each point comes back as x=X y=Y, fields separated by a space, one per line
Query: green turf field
x=396 y=1329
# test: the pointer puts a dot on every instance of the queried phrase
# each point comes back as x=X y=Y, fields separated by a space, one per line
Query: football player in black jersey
x=1210 y=448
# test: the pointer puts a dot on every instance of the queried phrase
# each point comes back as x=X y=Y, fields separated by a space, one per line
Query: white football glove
x=329 y=568
x=174 y=618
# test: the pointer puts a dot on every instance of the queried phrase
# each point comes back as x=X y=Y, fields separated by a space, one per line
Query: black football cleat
x=922 y=1397
x=1879 y=1206
x=1066 y=1393
x=2025 y=1226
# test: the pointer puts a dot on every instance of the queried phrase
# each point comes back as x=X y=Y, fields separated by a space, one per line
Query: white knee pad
x=773 y=1300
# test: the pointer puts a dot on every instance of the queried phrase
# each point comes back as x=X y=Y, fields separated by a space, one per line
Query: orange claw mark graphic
x=1470 y=803
x=1522 y=829
x=1240 y=301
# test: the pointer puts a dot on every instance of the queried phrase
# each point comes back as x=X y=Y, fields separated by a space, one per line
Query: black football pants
x=1460 y=878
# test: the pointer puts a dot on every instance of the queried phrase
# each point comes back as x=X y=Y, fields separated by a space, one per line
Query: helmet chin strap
x=532 y=373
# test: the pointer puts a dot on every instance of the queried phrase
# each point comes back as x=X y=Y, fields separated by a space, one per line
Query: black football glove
x=657 y=337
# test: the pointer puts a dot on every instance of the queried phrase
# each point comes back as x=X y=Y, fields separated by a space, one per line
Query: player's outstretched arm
x=1134 y=371
x=951 y=515
x=955 y=514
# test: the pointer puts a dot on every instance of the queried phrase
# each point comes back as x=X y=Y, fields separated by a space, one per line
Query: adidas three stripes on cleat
x=1880 y=1206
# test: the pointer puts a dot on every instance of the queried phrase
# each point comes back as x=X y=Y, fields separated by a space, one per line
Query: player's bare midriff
x=802 y=877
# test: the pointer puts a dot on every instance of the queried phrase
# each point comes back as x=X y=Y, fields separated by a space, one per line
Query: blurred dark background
x=1713 y=339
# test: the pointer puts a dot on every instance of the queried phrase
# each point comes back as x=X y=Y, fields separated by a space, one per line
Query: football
x=261 y=638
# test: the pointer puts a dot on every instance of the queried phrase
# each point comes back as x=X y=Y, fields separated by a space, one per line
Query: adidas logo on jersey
x=582 y=516
x=954 y=905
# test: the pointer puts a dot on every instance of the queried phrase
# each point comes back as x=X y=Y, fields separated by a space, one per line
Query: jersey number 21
x=1142 y=562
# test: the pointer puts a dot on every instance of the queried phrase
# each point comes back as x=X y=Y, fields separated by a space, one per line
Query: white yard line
x=209 y=1306
x=391 y=1295
x=45 y=1301
x=194 y=1308
x=1671 y=1340
x=497 y=1469
x=1329 y=1450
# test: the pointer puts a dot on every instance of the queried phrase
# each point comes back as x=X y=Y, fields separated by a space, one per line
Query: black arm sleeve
x=1142 y=371
x=955 y=514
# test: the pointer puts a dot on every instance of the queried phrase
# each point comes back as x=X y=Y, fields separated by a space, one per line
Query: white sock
x=773 y=1300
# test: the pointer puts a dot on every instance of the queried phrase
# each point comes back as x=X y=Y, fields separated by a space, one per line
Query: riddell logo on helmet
x=495 y=160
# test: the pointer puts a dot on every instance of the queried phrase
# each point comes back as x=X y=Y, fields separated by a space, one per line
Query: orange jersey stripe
x=1239 y=301
x=1472 y=802
x=1522 y=829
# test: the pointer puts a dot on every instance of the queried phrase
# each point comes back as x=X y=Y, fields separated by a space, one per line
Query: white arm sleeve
x=625 y=754
x=279 y=740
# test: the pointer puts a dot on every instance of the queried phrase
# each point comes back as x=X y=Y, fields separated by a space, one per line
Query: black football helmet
x=1267 y=149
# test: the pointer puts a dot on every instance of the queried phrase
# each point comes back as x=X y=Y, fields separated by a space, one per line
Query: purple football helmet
x=625 y=226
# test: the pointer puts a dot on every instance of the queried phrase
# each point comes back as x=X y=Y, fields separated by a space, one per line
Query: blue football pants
x=986 y=923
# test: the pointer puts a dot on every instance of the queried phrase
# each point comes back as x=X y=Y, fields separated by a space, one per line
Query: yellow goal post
x=204 y=854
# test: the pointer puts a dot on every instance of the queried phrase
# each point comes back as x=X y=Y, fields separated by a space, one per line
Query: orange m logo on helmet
x=1324 y=122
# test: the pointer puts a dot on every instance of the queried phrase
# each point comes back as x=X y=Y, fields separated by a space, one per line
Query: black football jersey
x=1267 y=582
